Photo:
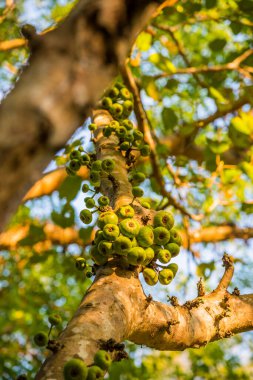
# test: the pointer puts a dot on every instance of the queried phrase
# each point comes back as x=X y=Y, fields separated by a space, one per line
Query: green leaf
x=247 y=168
x=169 y=118
x=152 y=90
x=85 y=233
x=205 y=269
x=35 y=234
x=70 y=187
x=144 y=41
x=247 y=208
x=217 y=95
x=218 y=147
x=210 y=3
x=217 y=44
x=66 y=218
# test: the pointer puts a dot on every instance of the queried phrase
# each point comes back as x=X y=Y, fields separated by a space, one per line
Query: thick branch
x=51 y=182
x=39 y=115
x=54 y=234
x=126 y=313
x=12 y=44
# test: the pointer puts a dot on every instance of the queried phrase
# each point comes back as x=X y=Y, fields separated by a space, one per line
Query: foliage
x=198 y=108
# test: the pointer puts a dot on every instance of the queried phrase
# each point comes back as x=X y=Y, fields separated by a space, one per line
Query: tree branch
x=143 y=125
x=50 y=182
x=230 y=66
x=208 y=318
x=54 y=234
x=39 y=115
x=129 y=314
x=12 y=44
x=58 y=235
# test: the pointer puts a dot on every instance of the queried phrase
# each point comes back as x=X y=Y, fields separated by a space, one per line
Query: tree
x=193 y=133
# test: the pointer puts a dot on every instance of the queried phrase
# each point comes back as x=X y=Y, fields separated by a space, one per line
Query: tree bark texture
x=68 y=69
x=116 y=307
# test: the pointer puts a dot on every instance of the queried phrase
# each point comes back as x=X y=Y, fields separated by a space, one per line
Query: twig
x=228 y=274
x=145 y=129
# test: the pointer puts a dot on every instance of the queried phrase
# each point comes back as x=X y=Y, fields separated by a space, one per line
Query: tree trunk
x=68 y=70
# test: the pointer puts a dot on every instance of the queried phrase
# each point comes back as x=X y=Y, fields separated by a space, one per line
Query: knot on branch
x=227 y=261
x=54 y=346
x=201 y=288
x=236 y=292
x=229 y=271
x=118 y=349
x=195 y=303
x=173 y=301
x=148 y=300
x=145 y=219
x=171 y=323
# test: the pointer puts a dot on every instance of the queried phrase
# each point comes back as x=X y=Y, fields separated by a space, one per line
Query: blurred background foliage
x=193 y=68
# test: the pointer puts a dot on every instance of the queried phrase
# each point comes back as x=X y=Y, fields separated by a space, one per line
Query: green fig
x=136 y=256
x=161 y=235
x=173 y=267
x=96 y=165
x=145 y=237
x=89 y=202
x=138 y=178
x=54 y=319
x=150 y=276
x=106 y=102
x=97 y=257
x=150 y=254
x=164 y=219
x=111 y=232
x=85 y=188
x=105 y=248
x=126 y=212
x=145 y=150
x=102 y=359
x=173 y=248
x=107 y=217
x=81 y=263
x=95 y=373
x=129 y=227
x=122 y=245
x=40 y=339
x=164 y=256
x=86 y=216
x=108 y=165
x=175 y=237
x=75 y=369
x=75 y=155
x=137 y=192
x=103 y=201
x=92 y=127
x=165 y=276
x=74 y=165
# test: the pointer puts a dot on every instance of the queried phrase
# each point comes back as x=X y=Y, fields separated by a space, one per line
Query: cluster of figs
x=76 y=369
x=150 y=244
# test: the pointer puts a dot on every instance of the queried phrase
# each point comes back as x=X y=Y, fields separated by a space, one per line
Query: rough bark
x=67 y=72
x=116 y=307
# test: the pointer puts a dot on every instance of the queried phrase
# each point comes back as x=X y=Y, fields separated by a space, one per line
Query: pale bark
x=67 y=72
x=116 y=307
